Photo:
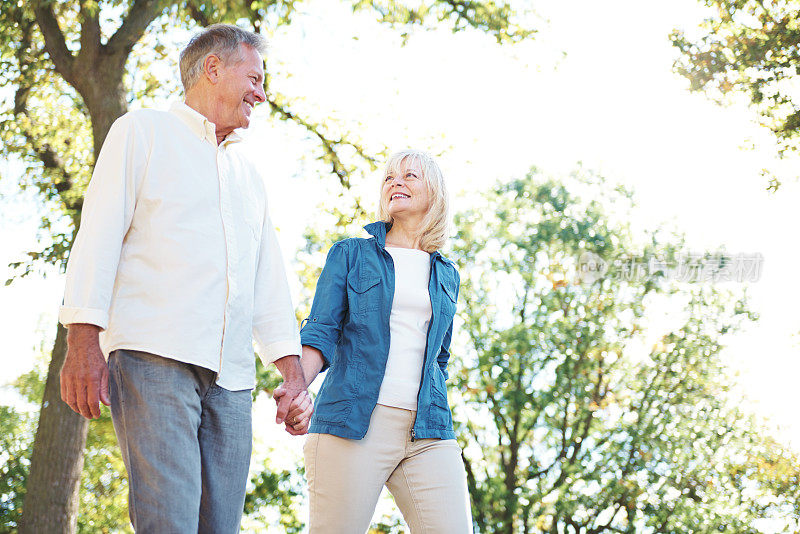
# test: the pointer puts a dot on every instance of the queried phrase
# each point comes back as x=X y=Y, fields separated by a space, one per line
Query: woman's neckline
x=404 y=248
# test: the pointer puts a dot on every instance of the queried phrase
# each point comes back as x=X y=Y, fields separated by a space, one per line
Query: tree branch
x=330 y=146
x=54 y=41
x=198 y=15
x=139 y=17
x=90 y=31
x=472 y=484
x=49 y=157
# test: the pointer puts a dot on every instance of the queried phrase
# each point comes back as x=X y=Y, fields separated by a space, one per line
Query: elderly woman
x=381 y=324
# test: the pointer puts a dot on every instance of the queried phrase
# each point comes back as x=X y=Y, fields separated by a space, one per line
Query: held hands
x=294 y=404
x=295 y=412
x=298 y=416
x=84 y=375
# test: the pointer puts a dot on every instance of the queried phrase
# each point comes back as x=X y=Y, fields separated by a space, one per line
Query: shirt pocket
x=363 y=292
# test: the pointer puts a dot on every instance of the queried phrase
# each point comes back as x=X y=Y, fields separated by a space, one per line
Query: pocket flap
x=360 y=285
x=449 y=292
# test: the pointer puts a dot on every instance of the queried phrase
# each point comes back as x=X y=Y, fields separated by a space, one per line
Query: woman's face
x=405 y=193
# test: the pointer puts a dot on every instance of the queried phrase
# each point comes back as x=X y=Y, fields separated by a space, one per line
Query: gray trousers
x=186 y=444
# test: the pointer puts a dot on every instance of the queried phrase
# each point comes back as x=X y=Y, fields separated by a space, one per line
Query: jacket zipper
x=427 y=335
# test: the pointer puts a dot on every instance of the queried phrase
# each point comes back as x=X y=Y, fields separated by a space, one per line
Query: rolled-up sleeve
x=274 y=323
x=106 y=217
x=323 y=327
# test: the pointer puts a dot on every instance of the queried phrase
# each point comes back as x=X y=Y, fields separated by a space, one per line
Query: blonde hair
x=436 y=223
x=222 y=40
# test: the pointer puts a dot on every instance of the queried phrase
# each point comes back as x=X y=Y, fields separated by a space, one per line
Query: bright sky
x=609 y=101
x=595 y=87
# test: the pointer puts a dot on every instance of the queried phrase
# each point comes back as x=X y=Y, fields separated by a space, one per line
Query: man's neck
x=208 y=109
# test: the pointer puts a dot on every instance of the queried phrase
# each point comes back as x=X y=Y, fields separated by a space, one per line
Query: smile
x=399 y=195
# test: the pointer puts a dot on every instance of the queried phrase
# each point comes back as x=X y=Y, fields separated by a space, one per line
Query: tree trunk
x=51 y=498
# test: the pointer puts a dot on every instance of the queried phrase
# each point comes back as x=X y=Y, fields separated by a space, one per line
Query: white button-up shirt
x=176 y=254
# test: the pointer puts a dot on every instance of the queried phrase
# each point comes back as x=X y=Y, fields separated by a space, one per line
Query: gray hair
x=221 y=40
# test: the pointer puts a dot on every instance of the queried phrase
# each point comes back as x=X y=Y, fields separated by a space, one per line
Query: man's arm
x=299 y=417
x=294 y=385
x=107 y=214
x=93 y=262
x=275 y=325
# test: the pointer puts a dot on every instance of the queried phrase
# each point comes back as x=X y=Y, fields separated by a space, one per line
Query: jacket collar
x=379 y=229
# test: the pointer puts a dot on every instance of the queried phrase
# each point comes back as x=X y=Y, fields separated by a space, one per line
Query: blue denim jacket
x=349 y=324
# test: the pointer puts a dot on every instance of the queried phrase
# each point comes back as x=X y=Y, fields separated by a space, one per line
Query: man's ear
x=212 y=66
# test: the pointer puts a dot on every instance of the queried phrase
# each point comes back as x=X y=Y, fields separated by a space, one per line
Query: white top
x=408 y=327
x=176 y=254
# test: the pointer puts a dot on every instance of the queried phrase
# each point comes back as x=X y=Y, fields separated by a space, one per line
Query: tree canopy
x=573 y=416
x=749 y=48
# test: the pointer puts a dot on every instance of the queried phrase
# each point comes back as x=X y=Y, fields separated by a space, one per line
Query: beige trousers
x=426 y=478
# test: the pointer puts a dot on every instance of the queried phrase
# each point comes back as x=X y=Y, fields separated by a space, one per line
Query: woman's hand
x=299 y=416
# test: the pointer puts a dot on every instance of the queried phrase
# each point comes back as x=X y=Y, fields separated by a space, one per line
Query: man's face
x=240 y=86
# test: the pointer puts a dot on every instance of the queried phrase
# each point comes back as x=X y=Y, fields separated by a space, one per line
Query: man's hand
x=84 y=375
x=299 y=416
x=294 y=384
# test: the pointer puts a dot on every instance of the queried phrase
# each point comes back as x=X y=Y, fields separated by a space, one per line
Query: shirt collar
x=200 y=125
x=379 y=229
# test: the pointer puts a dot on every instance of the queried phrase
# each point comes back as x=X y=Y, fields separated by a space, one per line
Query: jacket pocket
x=363 y=293
x=335 y=412
x=440 y=416
x=335 y=401
x=448 y=300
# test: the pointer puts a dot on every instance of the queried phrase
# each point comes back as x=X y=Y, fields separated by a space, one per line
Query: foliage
x=15 y=438
x=504 y=21
x=103 y=485
x=749 y=47
x=279 y=492
x=17 y=428
x=64 y=62
x=572 y=418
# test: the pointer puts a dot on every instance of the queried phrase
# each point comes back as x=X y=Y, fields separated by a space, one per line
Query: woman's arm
x=323 y=326
x=298 y=419
x=311 y=362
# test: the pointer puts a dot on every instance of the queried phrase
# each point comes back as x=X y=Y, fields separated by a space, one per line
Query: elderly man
x=176 y=269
